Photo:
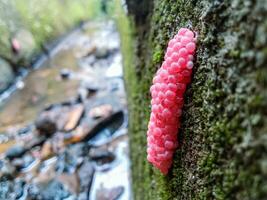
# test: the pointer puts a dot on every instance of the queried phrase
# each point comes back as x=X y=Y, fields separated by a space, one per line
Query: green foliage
x=48 y=18
x=45 y=19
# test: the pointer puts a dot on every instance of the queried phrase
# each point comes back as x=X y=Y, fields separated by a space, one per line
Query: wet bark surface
x=223 y=133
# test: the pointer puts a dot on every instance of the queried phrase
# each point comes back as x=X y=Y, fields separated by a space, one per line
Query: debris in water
x=74 y=117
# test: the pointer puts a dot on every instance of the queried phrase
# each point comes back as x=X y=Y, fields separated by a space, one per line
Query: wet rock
x=90 y=129
x=18 y=163
x=83 y=196
x=109 y=194
x=58 y=113
x=70 y=181
x=86 y=174
x=79 y=149
x=35 y=141
x=65 y=74
x=5 y=189
x=101 y=111
x=48 y=191
x=34 y=192
x=25 y=130
x=28 y=159
x=102 y=53
x=87 y=91
x=104 y=130
x=45 y=125
x=91 y=50
x=46 y=150
x=76 y=136
x=101 y=156
x=6 y=75
x=3 y=138
x=74 y=117
x=92 y=89
x=115 y=69
x=24 y=162
x=15 y=152
x=18 y=188
x=12 y=190
x=20 y=84
x=87 y=61
x=68 y=162
x=45 y=172
x=7 y=170
x=82 y=95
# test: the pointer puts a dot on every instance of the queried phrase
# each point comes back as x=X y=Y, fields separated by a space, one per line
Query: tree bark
x=223 y=136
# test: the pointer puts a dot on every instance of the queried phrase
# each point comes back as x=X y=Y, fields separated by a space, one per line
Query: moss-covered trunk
x=224 y=123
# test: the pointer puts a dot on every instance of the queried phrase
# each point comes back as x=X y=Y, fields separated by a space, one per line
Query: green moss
x=157 y=55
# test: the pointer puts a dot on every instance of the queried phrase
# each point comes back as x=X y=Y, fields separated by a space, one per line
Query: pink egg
x=167 y=91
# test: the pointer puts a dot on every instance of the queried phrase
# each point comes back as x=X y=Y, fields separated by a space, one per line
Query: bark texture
x=224 y=124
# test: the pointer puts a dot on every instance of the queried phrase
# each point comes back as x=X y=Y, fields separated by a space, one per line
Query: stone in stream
x=45 y=125
x=7 y=170
x=102 y=53
x=46 y=191
x=18 y=163
x=86 y=174
x=104 y=122
x=12 y=190
x=79 y=149
x=72 y=157
x=91 y=127
x=65 y=73
x=92 y=89
x=35 y=141
x=58 y=113
x=23 y=162
x=109 y=193
x=101 y=156
x=6 y=75
x=74 y=117
x=15 y=152
x=70 y=181
x=18 y=188
x=46 y=150
x=83 y=196
x=101 y=111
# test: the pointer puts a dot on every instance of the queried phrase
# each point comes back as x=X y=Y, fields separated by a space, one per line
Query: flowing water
x=89 y=58
x=43 y=86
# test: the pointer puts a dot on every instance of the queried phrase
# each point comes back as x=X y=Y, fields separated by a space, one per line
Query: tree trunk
x=223 y=136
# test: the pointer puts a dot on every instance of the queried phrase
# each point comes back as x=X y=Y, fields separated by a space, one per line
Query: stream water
x=64 y=125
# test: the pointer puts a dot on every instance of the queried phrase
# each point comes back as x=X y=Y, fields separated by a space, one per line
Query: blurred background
x=63 y=110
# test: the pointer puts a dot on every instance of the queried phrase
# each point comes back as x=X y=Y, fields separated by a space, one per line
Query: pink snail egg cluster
x=169 y=85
